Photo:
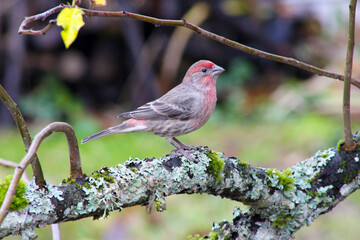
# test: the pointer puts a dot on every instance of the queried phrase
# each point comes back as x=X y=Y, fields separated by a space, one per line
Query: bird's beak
x=216 y=70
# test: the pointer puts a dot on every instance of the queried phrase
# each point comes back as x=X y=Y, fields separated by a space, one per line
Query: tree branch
x=21 y=125
x=182 y=23
x=349 y=143
x=42 y=17
x=11 y=164
x=75 y=164
x=281 y=201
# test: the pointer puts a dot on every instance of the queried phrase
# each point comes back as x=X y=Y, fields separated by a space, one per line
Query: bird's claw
x=191 y=147
x=188 y=147
x=181 y=152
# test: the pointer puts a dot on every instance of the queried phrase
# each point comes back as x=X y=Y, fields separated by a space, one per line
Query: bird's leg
x=182 y=145
x=180 y=151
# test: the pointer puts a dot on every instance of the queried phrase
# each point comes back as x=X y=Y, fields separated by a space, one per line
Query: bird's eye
x=203 y=70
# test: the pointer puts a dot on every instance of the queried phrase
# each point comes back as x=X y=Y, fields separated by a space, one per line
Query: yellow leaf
x=99 y=2
x=71 y=20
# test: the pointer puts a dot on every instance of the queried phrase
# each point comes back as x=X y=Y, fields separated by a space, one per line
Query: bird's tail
x=97 y=135
x=121 y=128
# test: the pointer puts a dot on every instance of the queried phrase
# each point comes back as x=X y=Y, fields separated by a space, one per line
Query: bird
x=184 y=109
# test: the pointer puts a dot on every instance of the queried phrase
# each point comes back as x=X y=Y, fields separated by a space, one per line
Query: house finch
x=184 y=109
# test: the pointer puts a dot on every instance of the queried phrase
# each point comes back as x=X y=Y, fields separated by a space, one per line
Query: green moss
x=133 y=170
x=196 y=237
x=216 y=164
x=339 y=145
x=68 y=181
x=213 y=235
x=316 y=194
x=281 y=220
x=109 y=179
x=270 y=172
x=103 y=174
x=350 y=176
x=19 y=201
x=343 y=164
x=283 y=176
x=244 y=164
x=95 y=175
x=105 y=171
x=160 y=206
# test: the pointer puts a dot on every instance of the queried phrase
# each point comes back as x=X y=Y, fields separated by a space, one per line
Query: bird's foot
x=188 y=147
x=178 y=152
x=182 y=145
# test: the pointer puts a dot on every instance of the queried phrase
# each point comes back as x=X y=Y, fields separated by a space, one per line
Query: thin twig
x=11 y=164
x=7 y=163
x=182 y=23
x=41 y=16
x=21 y=125
x=55 y=231
x=75 y=163
x=349 y=142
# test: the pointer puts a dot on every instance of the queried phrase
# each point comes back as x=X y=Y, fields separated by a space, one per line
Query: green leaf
x=71 y=20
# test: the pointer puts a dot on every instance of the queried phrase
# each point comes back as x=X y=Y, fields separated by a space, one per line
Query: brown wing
x=176 y=104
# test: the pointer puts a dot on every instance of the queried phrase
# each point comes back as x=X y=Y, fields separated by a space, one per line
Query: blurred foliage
x=239 y=71
x=51 y=100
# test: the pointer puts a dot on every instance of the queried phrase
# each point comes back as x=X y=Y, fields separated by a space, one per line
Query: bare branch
x=349 y=143
x=42 y=17
x=75 y=163
x=183 y=23
x=7 y=163
x=11 y=164
x=21 y=125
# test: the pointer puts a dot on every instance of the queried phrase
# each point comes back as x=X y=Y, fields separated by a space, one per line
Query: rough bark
x=281 y=202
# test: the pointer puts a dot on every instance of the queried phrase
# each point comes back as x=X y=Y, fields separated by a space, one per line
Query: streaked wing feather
x=176 y=104
x=162 y=110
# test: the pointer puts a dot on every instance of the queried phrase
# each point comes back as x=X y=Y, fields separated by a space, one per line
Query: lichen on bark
x=280 y=202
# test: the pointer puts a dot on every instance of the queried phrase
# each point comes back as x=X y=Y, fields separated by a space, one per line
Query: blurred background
x=268 y=114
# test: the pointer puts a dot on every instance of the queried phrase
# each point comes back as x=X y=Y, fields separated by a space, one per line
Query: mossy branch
x=75 y=163
x=281 y=202
x=181 y=23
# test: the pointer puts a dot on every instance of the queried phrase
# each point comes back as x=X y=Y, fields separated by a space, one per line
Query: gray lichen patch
x=314 y=191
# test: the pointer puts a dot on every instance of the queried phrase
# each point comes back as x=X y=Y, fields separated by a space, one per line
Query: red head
x=203 y=74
